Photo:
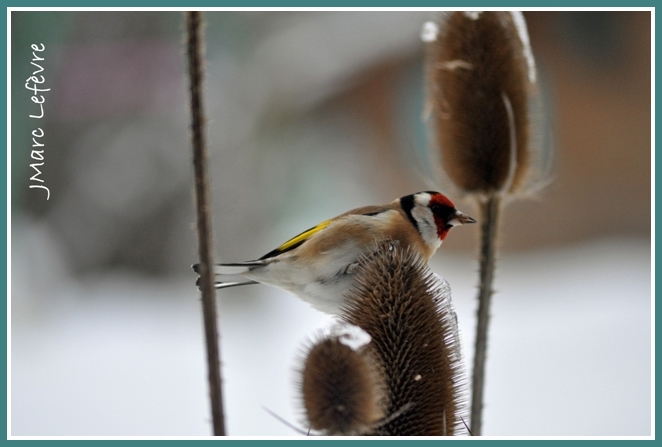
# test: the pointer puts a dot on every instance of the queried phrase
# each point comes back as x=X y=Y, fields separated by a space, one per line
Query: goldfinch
x=317 y=265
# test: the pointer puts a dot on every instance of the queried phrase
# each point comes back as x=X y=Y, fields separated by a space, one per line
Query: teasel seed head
x=407 y=312
x=483 y=89
x=342 y=390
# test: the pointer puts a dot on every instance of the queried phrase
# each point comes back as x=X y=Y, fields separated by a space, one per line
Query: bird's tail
x=225 y=285
x=230 y=274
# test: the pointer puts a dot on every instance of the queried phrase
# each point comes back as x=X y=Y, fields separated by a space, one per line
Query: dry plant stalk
x=414 y=346
x=195 y=65
x=482 y=88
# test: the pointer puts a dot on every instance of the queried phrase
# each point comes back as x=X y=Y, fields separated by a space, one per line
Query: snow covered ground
x=569 y=353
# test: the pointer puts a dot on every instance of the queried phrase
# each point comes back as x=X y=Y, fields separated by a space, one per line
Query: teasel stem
x=490 y=210
x=196 y=67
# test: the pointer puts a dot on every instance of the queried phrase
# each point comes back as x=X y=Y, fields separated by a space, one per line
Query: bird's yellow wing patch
x=297 y=240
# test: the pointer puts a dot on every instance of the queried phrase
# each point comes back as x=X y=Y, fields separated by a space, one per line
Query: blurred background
x=310 y=114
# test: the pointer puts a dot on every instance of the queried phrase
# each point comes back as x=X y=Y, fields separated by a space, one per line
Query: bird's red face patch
x=440 y=199
x=444 y=211
x=442 y=228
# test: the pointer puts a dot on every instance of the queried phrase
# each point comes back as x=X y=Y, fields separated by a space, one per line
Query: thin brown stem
x=196 y=66
x=489 y=218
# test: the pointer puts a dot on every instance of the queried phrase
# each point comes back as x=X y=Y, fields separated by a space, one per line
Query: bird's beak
x=461 y=218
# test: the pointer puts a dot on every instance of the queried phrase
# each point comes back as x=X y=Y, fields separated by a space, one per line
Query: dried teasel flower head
x=341 y=387
x=484 y=100
x=406 y=311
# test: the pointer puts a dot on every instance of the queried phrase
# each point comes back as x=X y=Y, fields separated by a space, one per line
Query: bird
x=317 y=265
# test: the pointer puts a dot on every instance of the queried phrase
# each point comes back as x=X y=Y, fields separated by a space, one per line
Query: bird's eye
x=436 y=209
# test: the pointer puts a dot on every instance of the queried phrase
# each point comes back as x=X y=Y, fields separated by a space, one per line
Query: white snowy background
x=105 y=323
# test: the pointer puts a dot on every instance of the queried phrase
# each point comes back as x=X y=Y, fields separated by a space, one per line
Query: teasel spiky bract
x=486 y=116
